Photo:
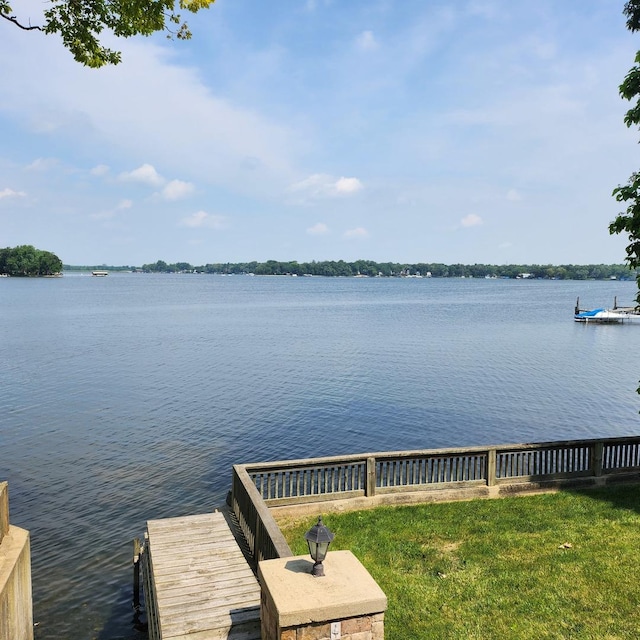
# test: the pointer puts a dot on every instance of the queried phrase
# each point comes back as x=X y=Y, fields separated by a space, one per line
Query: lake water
x=129 y=397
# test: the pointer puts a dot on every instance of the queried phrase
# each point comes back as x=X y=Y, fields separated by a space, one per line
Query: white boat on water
x=603 y=316
x=100 y=274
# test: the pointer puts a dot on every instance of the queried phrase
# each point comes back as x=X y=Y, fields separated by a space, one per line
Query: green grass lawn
x=564 y=565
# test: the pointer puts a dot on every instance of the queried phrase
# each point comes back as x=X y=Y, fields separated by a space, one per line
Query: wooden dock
x=197 y=582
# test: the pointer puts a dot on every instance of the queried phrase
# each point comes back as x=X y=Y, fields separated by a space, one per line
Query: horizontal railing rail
x=256 y=487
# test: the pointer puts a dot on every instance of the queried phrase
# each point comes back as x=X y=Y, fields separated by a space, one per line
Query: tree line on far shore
x=369 y=268
x=27 y=261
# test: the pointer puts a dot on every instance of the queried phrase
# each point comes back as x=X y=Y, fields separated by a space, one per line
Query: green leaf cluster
x=628 y=221
x=80 y=23
x=26 y=261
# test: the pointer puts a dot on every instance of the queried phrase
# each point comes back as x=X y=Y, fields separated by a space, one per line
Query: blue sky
x=408 y=130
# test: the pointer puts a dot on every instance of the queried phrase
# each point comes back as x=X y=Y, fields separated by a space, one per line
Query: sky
x=452 y=131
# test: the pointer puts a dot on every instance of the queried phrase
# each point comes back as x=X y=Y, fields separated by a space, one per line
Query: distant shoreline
x=371 y=269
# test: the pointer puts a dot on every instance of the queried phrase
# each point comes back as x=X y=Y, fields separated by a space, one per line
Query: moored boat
x=602 y=315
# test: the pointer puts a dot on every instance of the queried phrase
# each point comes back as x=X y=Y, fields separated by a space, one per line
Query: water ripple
x=129 y=398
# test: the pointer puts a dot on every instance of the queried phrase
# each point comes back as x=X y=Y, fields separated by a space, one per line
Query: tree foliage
x=369 y=268
x=628 y=221
x=80 y=23
x=26 y=260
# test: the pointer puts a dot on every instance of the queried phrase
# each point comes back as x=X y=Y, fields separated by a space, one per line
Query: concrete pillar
x=345 y=604
x=16 y=606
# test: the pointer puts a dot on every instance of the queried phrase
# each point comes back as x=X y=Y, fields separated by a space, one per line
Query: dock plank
x=191 y=585
x=203 y=587
x=177 y=562
x=211 y=576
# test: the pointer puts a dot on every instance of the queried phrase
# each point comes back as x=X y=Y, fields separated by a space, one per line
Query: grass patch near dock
x=562 y=565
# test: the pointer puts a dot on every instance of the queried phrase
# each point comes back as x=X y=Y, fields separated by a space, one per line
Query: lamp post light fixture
x=318 y=538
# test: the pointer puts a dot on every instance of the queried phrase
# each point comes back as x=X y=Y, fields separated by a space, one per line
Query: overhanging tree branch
x=628 y=222
x=80 y=23
x=14 y=20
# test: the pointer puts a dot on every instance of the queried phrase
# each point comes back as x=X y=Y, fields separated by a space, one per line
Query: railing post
x=491 y=467
x=370 y=490
x=257 y=537
x=136 y=574
x=598 y=455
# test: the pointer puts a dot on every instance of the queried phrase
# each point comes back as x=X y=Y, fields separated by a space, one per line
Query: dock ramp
x=197 y=583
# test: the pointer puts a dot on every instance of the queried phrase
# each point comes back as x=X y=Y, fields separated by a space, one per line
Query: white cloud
x=43 y=164
x=471 y=220
x=111 y=213
x=100 y=170
x=226 y=131
x=366 y=41
x=177 y=189
x=513 y=195
x=204 y=220
x=322 y=185
x=314 y=185
x=146 y=174
x=348 y=185
x=318 y=229
x=358 y=232
x=10 y=193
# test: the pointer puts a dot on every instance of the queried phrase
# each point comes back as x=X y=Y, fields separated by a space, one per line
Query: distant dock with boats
x=603 y=315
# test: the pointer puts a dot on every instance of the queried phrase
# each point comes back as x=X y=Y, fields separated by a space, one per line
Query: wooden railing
x=256 y=487
x=260 y=530
x=145 y=565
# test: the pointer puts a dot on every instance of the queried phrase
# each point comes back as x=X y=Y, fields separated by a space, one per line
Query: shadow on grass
x=621 y=494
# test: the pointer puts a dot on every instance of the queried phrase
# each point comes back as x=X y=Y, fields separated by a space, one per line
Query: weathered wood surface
x=203 y=587
x=260 y=530
x=4 y=509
